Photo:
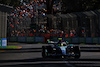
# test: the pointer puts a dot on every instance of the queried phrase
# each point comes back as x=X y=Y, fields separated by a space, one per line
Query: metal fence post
x=0 y=22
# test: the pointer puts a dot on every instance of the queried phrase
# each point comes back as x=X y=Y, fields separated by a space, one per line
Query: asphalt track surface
x=30 y=56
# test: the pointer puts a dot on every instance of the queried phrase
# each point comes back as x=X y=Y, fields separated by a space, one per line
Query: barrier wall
x=88 y=40
x=30 y=39
x=82 y=40
x=95 y=40
x=75 y=40
x=39 y=39
x=54 y=38
x=99 y=40
x=21 y=39
x=12 y=39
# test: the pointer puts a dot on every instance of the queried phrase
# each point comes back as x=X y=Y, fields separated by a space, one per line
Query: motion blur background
x=52 y=18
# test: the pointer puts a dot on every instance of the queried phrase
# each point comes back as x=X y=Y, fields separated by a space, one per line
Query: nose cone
x=63 y=49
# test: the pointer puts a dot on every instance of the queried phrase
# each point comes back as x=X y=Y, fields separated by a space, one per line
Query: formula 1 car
x=62 y=49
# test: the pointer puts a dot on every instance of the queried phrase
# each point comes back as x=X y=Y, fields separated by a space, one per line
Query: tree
x=71 y=6
x=49 y=6
x=15 y=3
x=79 y=5
x=7 y=2
x=10 y=2
x=91 y=4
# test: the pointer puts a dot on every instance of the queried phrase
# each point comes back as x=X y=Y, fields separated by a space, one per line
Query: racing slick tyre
x=44 y=52
x=77 y=52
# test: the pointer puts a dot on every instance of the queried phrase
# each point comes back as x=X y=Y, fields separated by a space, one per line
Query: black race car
x=62 y=49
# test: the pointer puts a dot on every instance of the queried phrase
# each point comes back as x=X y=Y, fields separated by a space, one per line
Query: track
x=30 y=56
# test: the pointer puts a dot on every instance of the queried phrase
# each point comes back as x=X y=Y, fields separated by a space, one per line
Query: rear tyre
x=44 y=52
x=77 y=52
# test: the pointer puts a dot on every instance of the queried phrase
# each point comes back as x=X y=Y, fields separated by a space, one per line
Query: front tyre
x=77 y=52
x=44 y=52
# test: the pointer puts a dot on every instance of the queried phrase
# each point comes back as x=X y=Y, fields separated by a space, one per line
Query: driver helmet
x=61 y=44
